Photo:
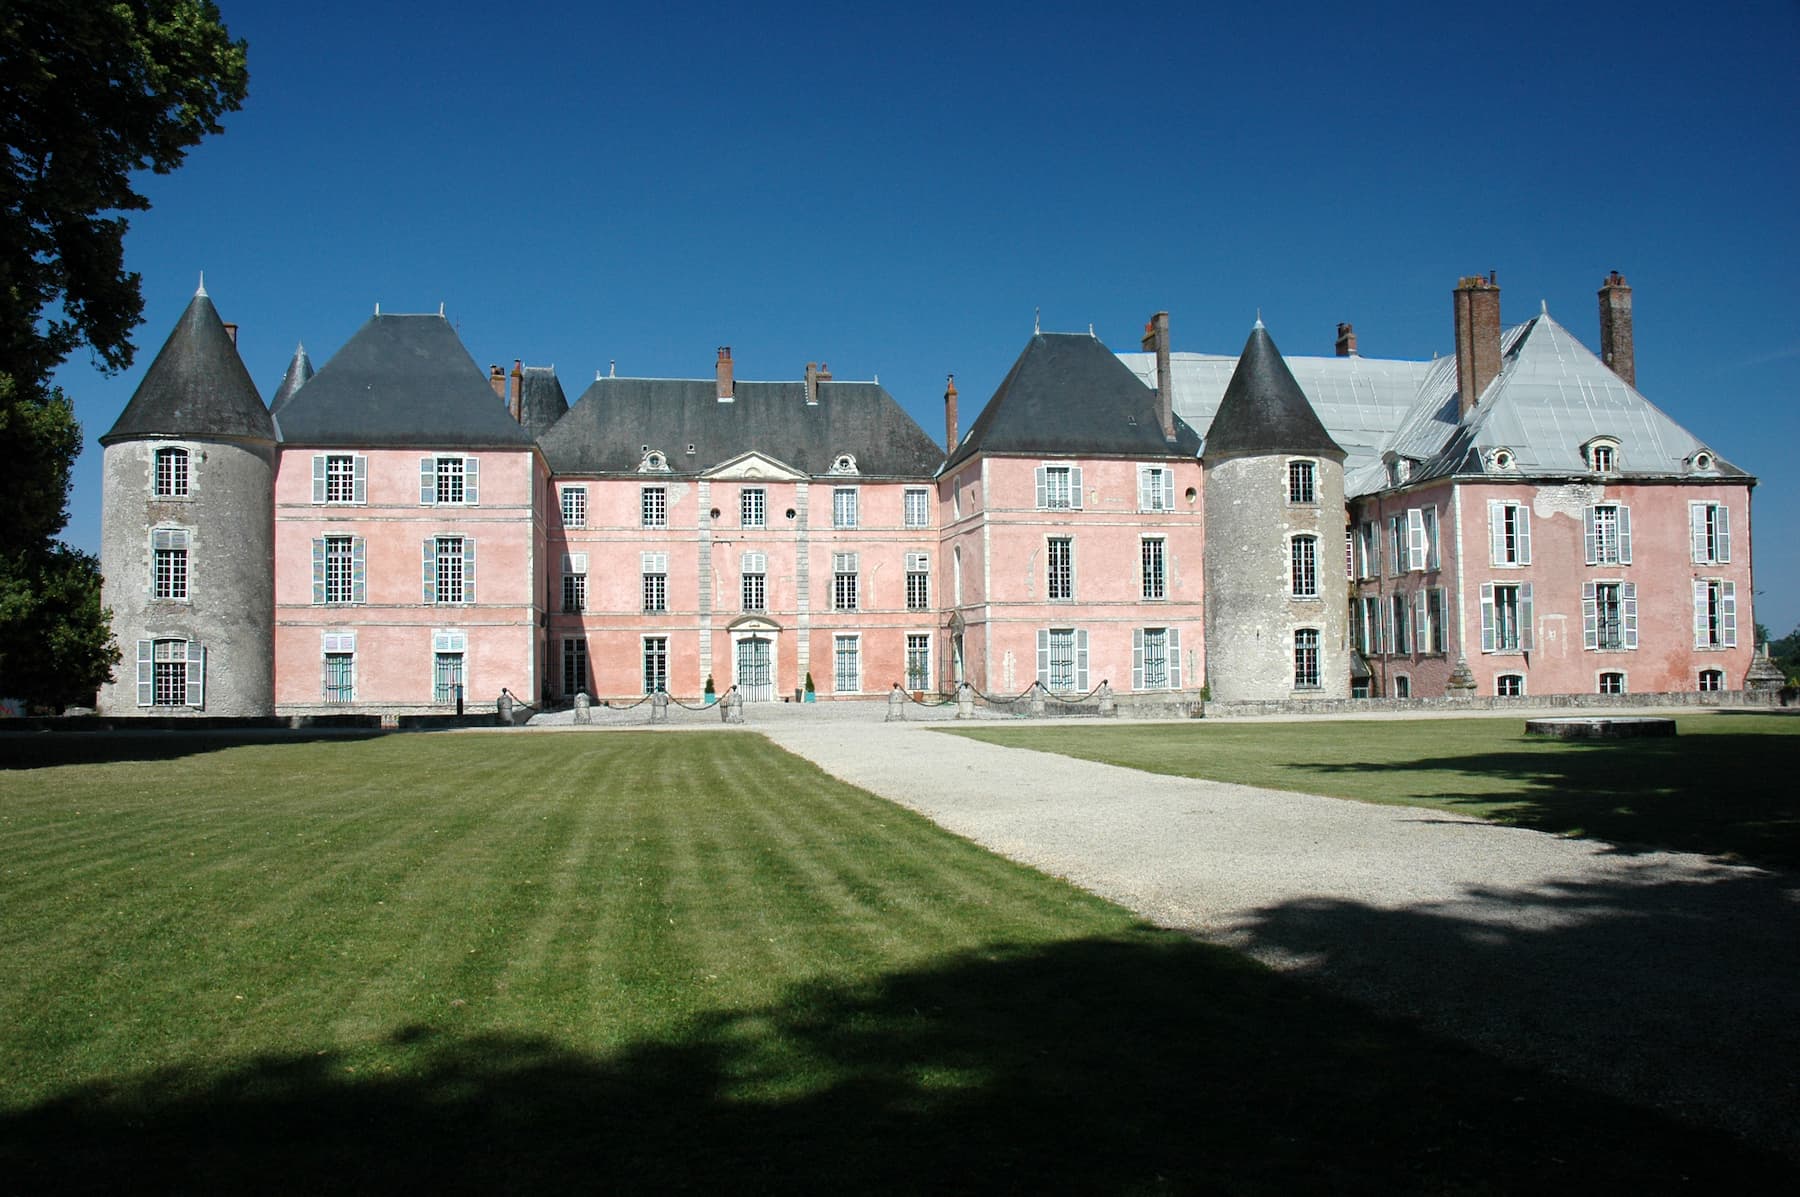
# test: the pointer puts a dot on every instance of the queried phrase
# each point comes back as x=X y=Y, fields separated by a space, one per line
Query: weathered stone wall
x=1699 y=700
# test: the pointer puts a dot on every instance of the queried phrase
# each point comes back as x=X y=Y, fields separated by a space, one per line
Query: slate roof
x=1264 y=410
x=606 y=430
x=401 y=381
x=541 y=399
x=197 y=386
x=1068 y=394
x=299 y=370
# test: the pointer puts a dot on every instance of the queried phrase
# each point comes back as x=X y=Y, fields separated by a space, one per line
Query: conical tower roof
x=1264 y=411
x=298 y=371
x=197 y=386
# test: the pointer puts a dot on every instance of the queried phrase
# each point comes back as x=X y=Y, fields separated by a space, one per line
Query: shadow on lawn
x=44 y=750
x=1135 y=1064
x=1725 y=794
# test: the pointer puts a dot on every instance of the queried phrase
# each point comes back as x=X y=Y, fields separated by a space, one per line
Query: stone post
x=1109 y=706
x=731 y=706
x=581 y=707
x=503 y=708
x=659 y=707
x=1462 y=682
x=965 y=701
x=1036 y=704
x=896 y=712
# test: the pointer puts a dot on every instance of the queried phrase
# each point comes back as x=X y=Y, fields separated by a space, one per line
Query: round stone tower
x=187 y=525
x=1277 y=601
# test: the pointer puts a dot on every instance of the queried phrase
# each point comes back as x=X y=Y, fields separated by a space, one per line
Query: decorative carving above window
x=1502 y=459
x=843 y=463
x=654 y=462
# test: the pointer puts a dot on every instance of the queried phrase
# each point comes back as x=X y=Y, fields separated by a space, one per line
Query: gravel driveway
x=1661 y=977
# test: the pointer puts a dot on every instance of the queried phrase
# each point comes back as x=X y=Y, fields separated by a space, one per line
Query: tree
x=90 y=94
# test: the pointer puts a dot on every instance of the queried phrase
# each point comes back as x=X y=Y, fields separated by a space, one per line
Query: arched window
x=172 y=473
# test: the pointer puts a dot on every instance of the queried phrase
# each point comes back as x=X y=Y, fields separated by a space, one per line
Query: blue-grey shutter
x=427 y=480
x=196 y=674
x=1496 y=532
x=430 y=571
x=468 y=569
x=1526 y=619
x=472 y=480
x=1728 y=612
x=1590 y=537
x=146 y=672
x=1624 y=534
x=1168 y=490
x=1075 y=488
x=1700 y=628
x=359 y=486
x=1146 y=489
x=1421 y=622
x=1081 y=660
x=359 y=570
x=1043 y=492
x=1137 y=658
x=318 y=477
x=1487 y=617
x=1697 y=532
x=1590 y=614
x=1628 y=604
x=318 y=569
x=1722 y=532
x=1174 y=636
x=1043 y=669
x=1524 y=534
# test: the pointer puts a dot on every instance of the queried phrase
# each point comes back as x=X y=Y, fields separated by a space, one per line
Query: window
x=1506 y=618
x=1060 y=564
x=1509 y=533
x=843 y=507
x=918 y=582
x=169 y=564
x=171 y=473
x=653 y=502
x=918 y=661
x=656 y=664
x=753 y=504
x=1368 y=629
x=1609 y=618
x=1606 y=529
x=1712 y=680
x=1510 y=685
x=1058 y=487
x=1150 y=553
x=1368 y=548
x=1710 y=527
x=1063 y=659
x=574 y=582
x=655 y=570
x=1433 y=616
x=1397 y=555
x=1156 y=659
x=1402 y=686
x=343 y=478
x=1156 y=488
x=574 y=666
x=754 y=571
x=574 y=506
x=1302 y=482
x=1612 y=683
x=1402 y=639
x=339 y=665
x=918 y=507
x=171 y=673
x=1421 y=538
x=450 y=569
x=843 y=581
x=449 y=480
x=1715 y=613
x=1428 y=520
x=1602 y=455
x=846 y=656
x=1303 y=566
x=449 y=681
x=338 y=569
x=1306 y=659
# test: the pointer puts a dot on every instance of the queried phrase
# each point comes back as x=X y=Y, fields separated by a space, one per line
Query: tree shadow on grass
x=45 y=750
x=1139 y=1063
x=1726 y=794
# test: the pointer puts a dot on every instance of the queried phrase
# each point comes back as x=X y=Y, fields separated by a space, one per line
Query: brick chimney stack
x=824 y=372
x=1346 y=341
x=726 y=389
x=497 y=380
x=950 y=427
x=1615 y=328
x=1477 y=307
x=518 y=390
x=812 y=384
x=1156 y=339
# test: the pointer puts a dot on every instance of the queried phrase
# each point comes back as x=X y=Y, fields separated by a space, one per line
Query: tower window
x=171 y=473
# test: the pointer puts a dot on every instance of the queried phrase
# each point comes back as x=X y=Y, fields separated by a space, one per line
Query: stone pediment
x=753 y=623
x=753 y=467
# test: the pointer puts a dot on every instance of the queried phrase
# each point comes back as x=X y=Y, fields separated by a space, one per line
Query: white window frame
x=1596 y=597
x=334 y=645
x=173 y=546
x=1303 y=566
x=574 y=583
x=572 y=501
x=1606 y=533
x=1368 y=549
x=191 y=656
x=753 y=581
x=1714 y=676
x=1059 y=674
x=446 y=643
x=436 y=488
x=653 y=589
x=1153 y=568
x=916 y=507
x=180 y=473
x=1709 y=528
x=351 y=582
x=1518 y=685
x=439 y=566
x=1509 y=533
x=342 y=480
x=1059 y=575
x=653 y=506
x=1308 y=641
x=1715 y=613
x=1302 y=482
x=1600 y=677
x=918 y=661
x=654 y=659
x=844 y=512
x=1492 y=623
x=1058 y=487
x=1400 y=622
x=846 y=647
x=845 y=586
x=1156 y=488
x=753 y=507
x=1144 y=644
x=918 y=581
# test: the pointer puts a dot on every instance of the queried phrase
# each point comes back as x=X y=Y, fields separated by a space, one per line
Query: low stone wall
x=191 y=723
x=1697 y=700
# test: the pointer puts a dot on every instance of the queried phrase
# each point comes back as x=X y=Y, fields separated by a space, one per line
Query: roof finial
x=1259 y=322
x=200 y=292
x=378 y=307
x=1544 y=306
x=1037 y=321
x=1091 y=329
x=612 y=368
x=440 y=309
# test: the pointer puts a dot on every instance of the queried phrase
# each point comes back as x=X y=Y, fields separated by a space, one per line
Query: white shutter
x=1168 y=488
x=1137 y=658
x=1487 y=617
x=468 y=569
x=1722 y=532
x=472 y=480
x=1697 y=532
x=1590 y=615
x=1174 y=638
x=1628 y=605
x=1728 y=612
x=1624 y=535
x=1524 y=534
x=429 y=557
x=1043 y=493
x=146 y=673
x=1081 y=661
x=318 y=570
x=1526 y=617
x=427 y=480
x=1075 y=487
x=359 y=570
x=1072 y=588
x=1590 y=536
x=1415 y=538
x=1700 y=592
x=196 y=674
x=1497 y=531
x=1043 y=662
x=1421 y=623
x=359 y=487
x=318 y=477
x=1146 y=488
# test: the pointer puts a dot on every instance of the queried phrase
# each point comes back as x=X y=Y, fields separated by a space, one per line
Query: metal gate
x=754 y=680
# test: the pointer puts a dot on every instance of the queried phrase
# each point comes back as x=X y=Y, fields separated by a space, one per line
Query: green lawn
x=1724 y=785
x=495 y=962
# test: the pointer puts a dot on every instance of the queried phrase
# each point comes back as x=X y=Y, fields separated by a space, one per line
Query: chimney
x=726 y=390
x=497 y=380
x=824 y=372
x=950 y=429
x=1477 y=307
x=231 y=329
x=1346 y=342
x=812 y=383
x=518 y=390
x=1615 y=328
x=1156 y=338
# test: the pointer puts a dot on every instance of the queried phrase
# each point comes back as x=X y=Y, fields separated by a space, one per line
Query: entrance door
x=754 y=680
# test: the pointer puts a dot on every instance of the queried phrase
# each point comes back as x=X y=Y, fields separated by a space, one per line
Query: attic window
x=1602 y=455
x=1399 y=471
x=1702 y=460
x=1502 y=459
x=654 y=462
x=843 y=463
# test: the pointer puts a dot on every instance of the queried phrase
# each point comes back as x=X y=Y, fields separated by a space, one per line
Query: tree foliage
x=91 y=94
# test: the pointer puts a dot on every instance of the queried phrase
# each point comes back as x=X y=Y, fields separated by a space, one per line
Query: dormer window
x=843 y=463
x=1701 y=462
x=1602 y=455
x=1399 y=470
x=654 y=462
x=1503 y=460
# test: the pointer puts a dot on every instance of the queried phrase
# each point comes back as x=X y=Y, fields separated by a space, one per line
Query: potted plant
x=809 y=688
x=711 y=694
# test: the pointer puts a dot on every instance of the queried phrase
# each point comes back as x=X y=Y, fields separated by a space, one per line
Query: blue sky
x=894 y=191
